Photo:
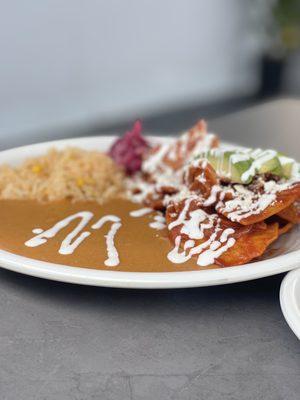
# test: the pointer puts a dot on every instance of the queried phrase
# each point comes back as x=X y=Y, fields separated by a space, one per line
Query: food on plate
x=212 y=238
x=291 y=213
x=71 y=173
x=150 y=205
x=128 y=151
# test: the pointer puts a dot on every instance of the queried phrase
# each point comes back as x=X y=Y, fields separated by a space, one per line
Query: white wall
x=69 y=61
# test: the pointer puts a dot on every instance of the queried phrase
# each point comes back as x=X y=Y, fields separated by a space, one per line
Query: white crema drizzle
x=194 y=227
x=113 y=256
x=71 y=242
x=162 y=174
x=159 y=221
x=68 y=245
x=246 y=202
x=260 y=158
x=140 y=212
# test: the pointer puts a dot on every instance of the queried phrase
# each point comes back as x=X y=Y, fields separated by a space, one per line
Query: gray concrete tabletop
x=68 y=342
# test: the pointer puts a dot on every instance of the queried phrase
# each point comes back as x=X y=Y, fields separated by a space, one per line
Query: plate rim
x=138 y=280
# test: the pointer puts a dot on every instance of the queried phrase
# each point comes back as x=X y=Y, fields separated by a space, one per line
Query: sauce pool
x=139 y=242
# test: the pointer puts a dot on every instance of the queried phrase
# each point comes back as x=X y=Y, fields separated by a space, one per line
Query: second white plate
x=290 y=300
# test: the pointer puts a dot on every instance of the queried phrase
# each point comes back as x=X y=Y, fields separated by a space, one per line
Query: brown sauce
x=140 y=248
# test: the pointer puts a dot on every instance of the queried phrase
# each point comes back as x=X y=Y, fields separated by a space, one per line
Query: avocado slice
x=266 y=161
x=230 y=165
x=240 y=166
x=288 y=165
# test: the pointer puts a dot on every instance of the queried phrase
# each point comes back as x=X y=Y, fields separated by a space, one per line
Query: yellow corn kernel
x=80 y=182
x=36 y=168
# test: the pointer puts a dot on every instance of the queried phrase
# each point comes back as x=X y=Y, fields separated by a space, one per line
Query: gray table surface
x=60 y=341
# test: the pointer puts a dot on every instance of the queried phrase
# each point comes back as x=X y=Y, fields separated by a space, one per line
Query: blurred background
x=74 y=67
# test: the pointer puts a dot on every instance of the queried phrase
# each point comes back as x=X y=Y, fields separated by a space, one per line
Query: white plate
x=284 y=256
x=290 y=300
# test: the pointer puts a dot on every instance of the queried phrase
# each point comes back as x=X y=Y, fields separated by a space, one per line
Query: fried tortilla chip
x=200 y=177
x=193 y=141
x=259 y=206
x=291 y=213
x=250 y=245
x=162 y=171
x=285 y=228
x=251 y=241
x=176 y=154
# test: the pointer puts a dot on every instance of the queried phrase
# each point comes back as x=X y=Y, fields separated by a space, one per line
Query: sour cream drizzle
x=66 y=247
x=151 y=164
x=213 y=196
x=245 y=202
x=182 y=216
x=140 y=212
x=159 y=222
x=113 y=256
x=69 y=244
x=193 y=224
x=261 y=157
x=37 y=231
